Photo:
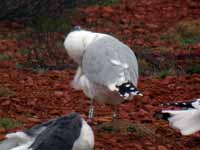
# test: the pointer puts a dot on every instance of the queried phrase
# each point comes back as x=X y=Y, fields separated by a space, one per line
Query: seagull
x=107 y=68
x=64 y=133
x=186 y=120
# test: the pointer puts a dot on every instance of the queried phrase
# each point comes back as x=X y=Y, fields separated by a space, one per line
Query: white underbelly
x=103 y=95
x=100 y=93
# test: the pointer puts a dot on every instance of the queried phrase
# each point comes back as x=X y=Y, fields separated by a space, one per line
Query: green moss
x=4 y=56
x=8 y=123
x=109 y=128
x=48 y=24
x=165 y=37
x=144 y=66
x=163 y=50
x=139 y=130
x=103 y=2
x=25 y=52
x=189 y=29
x=164 y=73
x=5 y=92
x=186 y=32
x=40 y=69
x=195 y=68
x=189 y=41
x=110 y=2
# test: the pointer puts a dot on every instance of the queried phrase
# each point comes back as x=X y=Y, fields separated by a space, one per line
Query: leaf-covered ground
x=31 y=98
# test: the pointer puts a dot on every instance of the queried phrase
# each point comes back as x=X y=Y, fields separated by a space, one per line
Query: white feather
x=196 y=104
x=16 y=141
x=86 y=138
x=86 y=86
x=187 y=121
x=76 y=81
x=80 y=81
x=116 y=62
x=24 y=146
x=20 y=136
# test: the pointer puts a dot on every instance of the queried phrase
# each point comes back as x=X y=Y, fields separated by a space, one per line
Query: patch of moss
x=48 y=24
x=195 y=68
x=139 y=130
x=165 y=37
x=164 y=73
x=103 y=2
x=163 y=50
x=144 y=66
x=109 y=128
x=5 y=92
x=186 y=32
x=8 y=123
x=189 y=41
x=4 y=56
x=189 y=29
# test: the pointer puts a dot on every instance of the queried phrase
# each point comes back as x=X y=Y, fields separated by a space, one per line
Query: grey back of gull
x=97 y=63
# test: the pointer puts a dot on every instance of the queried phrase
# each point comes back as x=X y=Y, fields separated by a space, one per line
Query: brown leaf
x=161 y=147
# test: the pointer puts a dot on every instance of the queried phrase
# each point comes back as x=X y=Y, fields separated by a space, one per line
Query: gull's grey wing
x=60 y=135
x=101 y=62
x=37 y=129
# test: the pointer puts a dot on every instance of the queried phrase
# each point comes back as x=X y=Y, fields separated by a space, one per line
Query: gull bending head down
x=108 y=69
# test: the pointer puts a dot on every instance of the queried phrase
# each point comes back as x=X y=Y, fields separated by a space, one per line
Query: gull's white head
x=76 y=42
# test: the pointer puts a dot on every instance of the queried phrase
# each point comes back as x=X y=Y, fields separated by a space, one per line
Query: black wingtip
x=179 y=104
x=126 y=89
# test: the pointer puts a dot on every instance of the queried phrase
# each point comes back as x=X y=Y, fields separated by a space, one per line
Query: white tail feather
x=76 y=82
x=20 y=136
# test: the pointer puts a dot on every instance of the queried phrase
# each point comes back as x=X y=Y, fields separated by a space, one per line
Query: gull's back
x=108 y=61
